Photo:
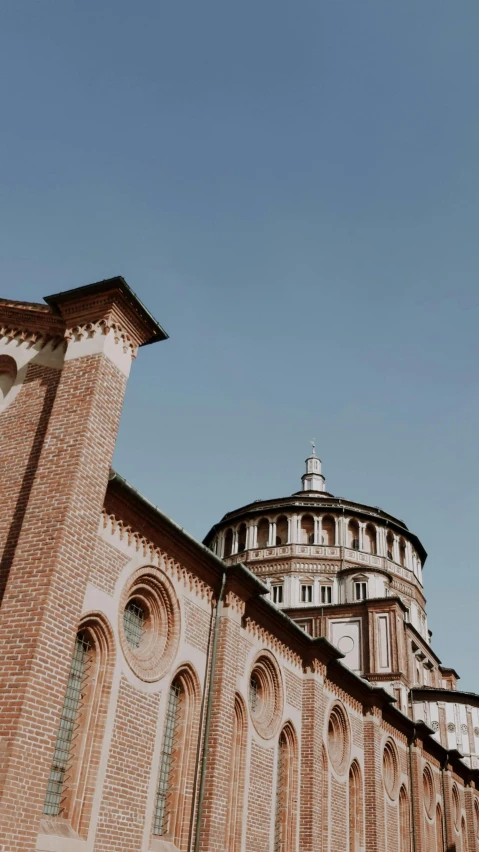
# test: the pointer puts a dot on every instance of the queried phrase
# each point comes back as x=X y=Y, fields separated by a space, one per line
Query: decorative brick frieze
x=270 y=641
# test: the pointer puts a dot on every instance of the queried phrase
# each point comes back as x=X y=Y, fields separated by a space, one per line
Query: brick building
x=271 y=690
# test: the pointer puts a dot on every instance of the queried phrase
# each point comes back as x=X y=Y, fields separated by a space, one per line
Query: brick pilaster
x=373 y=782
x=311 y=817
x=417 y=797
x=52 y=557
x=218 y=770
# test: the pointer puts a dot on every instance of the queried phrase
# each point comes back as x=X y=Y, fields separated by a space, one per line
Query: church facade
x=273 y=689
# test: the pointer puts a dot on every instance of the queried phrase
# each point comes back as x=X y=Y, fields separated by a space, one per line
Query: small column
x=294 y=529
x=254 y=536
x=272 y=534
x=396 y=557
x=289 y=531
x=337 y=531
x=320 y=530
x=362 y=527
x=316 y=539
x=234 y=547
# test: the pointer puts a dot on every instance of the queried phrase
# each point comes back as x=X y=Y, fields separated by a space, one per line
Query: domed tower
x=340 y=569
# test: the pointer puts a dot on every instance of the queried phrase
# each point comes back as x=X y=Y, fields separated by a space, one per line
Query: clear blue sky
x=292 y=189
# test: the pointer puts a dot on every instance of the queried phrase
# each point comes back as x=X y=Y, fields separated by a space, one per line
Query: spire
x=313 y=479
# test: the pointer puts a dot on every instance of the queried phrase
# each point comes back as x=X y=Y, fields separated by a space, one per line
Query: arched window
x=234 y=816
x=370 y=541
x=463 y=836
x=402 y=552
x=353 y=535
x=476 y=817
x=325 y=802
x=228 y=543
x=241 y=538
x=390 y=545
x=404 y=821
x=307 y=529
x=356 y=818
x=439 y=830
x=263 y=532
x=71 y=783
x=282 y=530
x=286 y=792
x=177 y=761
x=328 y=535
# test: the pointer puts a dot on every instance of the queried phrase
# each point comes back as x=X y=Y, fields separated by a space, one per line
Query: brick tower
x=63 y=373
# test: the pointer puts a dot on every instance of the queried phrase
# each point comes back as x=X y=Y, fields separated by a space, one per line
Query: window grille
x=71 y=711
x=133 y=623
x=277 y=592
x=253 y=694
x=326 y=594
x=306 y=594
x=161 y=815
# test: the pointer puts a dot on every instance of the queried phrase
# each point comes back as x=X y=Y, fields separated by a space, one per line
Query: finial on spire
x=313 y=479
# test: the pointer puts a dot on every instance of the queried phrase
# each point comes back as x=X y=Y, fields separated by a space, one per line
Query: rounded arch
x=307 y=529
x=456 y=807
x=328 y=534
x=439 y=830
x=228 y=542
x=263 y=532
x=339 y=738
x=391 y=769
x=404 y=816
x=370 y=539
x=286 y=789
x=72 y=781
x=356 y=808
x=175 y=780
x=242 y=532
x=234 y=819
x=390 y=545
x=324 y=799
x=353 y=534
x=428 y=791
x=282 y=530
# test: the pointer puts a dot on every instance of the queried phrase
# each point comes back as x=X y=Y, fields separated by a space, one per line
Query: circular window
x=149 y=623
x=265 y=695
x=428 y=791
x=338 y=738
x=8 y=374
x=391 y=769
x=455 y=807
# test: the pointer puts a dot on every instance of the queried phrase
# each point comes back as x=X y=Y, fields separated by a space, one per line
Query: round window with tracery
x=456 y=809
x=265 y=695
x=428 y=791
x=338 y=738
x=149 y=623
x=391 y=769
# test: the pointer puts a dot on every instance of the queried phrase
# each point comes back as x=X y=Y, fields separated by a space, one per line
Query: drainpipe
x=444 y=820
x=209 y=705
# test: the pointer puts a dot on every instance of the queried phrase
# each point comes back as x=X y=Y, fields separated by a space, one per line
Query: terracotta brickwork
x=302 y=754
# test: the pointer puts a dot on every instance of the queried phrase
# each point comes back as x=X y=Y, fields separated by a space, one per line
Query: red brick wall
x=130 y=772
x=260 y=801
x=43 y=597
